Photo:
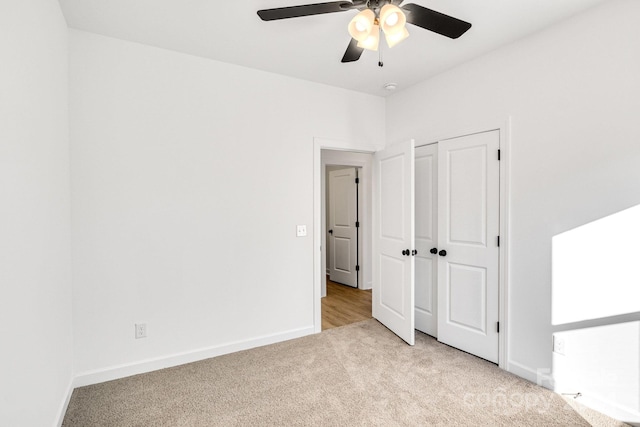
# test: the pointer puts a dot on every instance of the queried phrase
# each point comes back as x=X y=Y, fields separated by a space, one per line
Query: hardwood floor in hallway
x=344 y=305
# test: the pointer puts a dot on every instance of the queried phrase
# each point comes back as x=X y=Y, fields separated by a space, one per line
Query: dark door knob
x=330 y=231
x=406 y=252
x=434 y=250
x=442 y=253
x=414 y=252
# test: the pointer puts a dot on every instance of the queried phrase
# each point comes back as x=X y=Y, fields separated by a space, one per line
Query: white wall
x=189 y=177
x=574 y=95
x=603 y=365
x=595 y=280
x=35 y=273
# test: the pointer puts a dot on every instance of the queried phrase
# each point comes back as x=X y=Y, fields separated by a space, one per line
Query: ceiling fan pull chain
x=380 y=63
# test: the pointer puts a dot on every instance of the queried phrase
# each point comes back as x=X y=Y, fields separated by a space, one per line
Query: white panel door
x=342 y=227
x=468 y=227
x=393 y=238
x=426 y=262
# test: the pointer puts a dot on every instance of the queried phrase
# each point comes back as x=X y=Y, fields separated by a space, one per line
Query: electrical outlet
x=301 y=230
x=141 y=330
x=558 y=345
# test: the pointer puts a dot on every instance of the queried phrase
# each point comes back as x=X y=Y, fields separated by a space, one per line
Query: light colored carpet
x=356 y=375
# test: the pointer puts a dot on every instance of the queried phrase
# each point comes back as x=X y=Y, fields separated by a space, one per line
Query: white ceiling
x=310 y=48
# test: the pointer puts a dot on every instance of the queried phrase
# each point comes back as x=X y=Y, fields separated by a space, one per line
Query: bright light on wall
x=595 y=270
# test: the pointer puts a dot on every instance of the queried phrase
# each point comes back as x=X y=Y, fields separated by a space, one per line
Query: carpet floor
x=355 y=375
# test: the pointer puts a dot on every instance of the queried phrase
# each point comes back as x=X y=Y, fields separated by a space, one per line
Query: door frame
x=503 y=126
x=319 y=237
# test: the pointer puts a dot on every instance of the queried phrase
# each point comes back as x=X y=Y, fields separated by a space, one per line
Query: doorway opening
x=346 y=237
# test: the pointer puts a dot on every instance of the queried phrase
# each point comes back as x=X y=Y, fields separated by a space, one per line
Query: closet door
x=426 y=295
x=468 y=228
x=393 y=239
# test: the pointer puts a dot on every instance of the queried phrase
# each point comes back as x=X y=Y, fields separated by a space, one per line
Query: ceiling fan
x=375 y=16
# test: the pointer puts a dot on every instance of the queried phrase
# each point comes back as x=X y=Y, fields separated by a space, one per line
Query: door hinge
x=498 y=154
x=498 y=327
x=357 y=180
x=357 y=268
x=357 y=224
x=498 y=241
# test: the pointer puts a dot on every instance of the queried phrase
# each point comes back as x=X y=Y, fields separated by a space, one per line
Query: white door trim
x=319 y=238
x=503 y=125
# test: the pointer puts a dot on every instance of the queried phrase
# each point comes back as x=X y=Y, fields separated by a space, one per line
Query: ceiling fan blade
x=435 y=21
x=353 y=52
x=304 y=10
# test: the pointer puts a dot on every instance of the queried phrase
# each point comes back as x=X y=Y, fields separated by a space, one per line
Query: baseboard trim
x=154 y=364
x=541 y=377
x=609 y=408
x=65 y=403
x=595 y=401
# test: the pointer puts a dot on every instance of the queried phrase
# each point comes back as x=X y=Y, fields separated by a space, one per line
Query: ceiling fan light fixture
x=362 y=24
x=394 y=39
x=392 y=19
x=372 y=41
x=375 y=16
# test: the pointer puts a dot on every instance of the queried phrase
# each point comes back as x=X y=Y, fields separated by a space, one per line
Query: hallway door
x=343 y=232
